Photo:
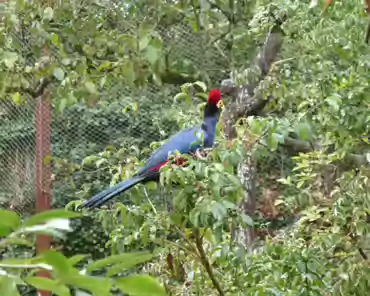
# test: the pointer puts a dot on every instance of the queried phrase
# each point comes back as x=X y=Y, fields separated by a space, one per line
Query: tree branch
x=227 y=14
x=34 y=93
x=295 y=147
x=246 y=101
x=172 y=77
x=205 y=262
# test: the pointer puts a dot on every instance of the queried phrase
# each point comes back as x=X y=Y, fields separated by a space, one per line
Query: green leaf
x=98 y=286
x=8 y=286
x=15 y=241
x=194 y=217
x=66 y=61
x=181 y=96
x=89 y=160
x=186 y=86
x=129 y=72
x=140 y=285
x=204 y=5
x=144 y=41
x=202 y=85
x=105 y=65
x=129 y=41
x=58 y=74
x=218 y=211
x=54 y=38
x=100 y=162
x=302 y=105
x=203 y=96
x=48 y=13
x=50 y=228
x=334 y=102
x=152 y=54
x=89 y=50
x=49 y=215
x=17 y=262
x=247 y=219
x=90 y=86
x=273 y=141
x=135 y=106
x=62 y=105
x=9 y=222
x=59 y=263
x=76 y=259
x=47 y=284
x=219 y=167
x=125 y=261
x=303 y=131
x=16 y=98
x=255 y=125
x=28 y=69
x=129 y=263
x=102 y=81
x=9 y=59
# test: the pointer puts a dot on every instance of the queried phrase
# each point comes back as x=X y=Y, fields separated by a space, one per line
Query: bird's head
x=214 y=98
x=214 y=104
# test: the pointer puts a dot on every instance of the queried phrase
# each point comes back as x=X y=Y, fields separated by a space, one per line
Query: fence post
x=43 y=170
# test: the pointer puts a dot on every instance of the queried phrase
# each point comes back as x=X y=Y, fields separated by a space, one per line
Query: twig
x=190 y=244
x=196 y=15
x=229 y=16
x=182 y=248
x=205 y=262
x=33 y=93
x=362 y=253
x=147 y=197
x=367 y=35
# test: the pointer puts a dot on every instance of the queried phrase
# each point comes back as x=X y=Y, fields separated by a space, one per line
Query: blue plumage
x=185 y=141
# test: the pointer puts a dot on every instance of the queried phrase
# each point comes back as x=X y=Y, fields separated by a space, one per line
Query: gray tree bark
x=247 y=101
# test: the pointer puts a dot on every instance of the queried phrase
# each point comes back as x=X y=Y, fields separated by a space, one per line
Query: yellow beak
x=220 y=104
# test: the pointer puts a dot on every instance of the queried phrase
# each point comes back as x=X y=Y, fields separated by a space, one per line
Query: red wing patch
x=158 y=167
x=176 y=160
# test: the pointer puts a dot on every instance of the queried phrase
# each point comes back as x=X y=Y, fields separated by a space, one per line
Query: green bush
x=65 y=272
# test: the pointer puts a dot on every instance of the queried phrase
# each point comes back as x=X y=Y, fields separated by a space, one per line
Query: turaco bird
x=188 y=141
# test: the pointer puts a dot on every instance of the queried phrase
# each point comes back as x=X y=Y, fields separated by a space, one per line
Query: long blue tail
x=104 y=196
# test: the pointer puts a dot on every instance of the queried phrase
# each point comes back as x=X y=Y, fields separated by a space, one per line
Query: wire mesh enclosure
x=87 y=128
x=17 y=153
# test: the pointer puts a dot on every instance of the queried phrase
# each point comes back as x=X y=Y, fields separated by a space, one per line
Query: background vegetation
x=280 y=207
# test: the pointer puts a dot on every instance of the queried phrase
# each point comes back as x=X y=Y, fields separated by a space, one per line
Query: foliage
x=309 y=145
x=18 y=273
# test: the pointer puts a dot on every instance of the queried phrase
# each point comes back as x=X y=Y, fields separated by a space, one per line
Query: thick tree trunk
x=247 y=174
x=247 y=102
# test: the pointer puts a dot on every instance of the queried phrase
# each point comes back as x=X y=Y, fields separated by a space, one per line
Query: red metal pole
x=43 y=171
